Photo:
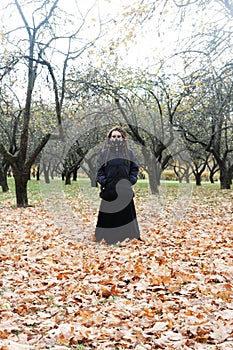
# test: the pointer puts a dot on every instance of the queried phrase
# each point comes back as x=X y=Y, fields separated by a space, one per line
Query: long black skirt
x=117 y=221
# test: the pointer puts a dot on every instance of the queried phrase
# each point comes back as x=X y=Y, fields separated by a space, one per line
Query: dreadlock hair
x=125 y=149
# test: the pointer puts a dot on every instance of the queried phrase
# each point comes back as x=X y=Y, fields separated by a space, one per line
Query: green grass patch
x=33 y=191
x=81 y=190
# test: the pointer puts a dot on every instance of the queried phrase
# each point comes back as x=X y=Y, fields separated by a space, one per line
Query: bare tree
x=146 y=105
x=37 y=52
x=10 y=112
x=209 y=122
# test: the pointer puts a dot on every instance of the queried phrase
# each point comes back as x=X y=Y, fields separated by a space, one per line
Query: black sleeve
x=100 y=168
x=134 y=169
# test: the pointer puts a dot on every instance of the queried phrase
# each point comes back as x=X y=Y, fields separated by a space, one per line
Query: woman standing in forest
x=116 y=173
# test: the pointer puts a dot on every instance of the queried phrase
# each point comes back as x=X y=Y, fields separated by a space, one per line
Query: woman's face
x=116 y=134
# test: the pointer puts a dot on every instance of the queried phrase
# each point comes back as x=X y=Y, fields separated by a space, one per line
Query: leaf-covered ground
x=174 y=290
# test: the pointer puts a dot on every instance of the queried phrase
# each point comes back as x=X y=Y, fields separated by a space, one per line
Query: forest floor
x=172 y=290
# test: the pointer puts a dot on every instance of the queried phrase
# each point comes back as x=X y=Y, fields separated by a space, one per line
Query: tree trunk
x=225 y=178
x=68 y=178
x=179 y=174
x=153 y=184
x=92 y=176
x=21 y=189
x=75 y=174
x=38 y=173
x=46 y=176
x=154 y=172
x=46 y=170
x=153 y=178
x=211 y=178
x=198 y=179
x=5 y=187
x=93 y=181
x=3 y=180
x=213 y=171
x=186 y=174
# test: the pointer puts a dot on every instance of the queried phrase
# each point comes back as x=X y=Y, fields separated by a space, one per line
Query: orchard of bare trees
x=68 y=73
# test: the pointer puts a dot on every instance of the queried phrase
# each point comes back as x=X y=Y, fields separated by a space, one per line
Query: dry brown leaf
x=172 y=291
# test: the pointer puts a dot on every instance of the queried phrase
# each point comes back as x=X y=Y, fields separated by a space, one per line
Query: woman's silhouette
x=116 y=173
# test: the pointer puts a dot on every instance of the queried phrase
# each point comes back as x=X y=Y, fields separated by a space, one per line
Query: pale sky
x=151 y=43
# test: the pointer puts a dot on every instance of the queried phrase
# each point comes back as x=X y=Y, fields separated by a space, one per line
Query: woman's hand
x=133 y=179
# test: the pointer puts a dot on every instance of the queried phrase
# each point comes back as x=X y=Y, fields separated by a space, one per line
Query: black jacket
x=115 y=168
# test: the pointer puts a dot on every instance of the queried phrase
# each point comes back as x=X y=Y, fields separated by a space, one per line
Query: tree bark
x=3 y=180
x=225 y=178
x=68 y=178
x=38 y=173
x=75 y=174
x=198 y=179
x=21 y=182
x=46 y=176
x=153 y=178
x=211 y=178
